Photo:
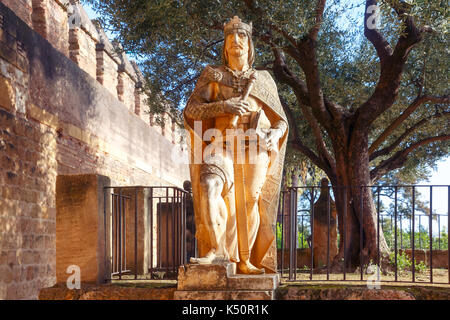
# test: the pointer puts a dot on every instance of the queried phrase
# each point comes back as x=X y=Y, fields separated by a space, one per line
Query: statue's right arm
x=198 y=107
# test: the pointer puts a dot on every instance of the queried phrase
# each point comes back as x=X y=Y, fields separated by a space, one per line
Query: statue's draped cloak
x=264 y=250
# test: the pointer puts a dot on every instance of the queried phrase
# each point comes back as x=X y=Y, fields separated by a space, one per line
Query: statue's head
x=238 y=40
x=324 y=183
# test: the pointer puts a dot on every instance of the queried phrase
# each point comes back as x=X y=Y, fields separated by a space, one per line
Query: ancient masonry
x=68 y=105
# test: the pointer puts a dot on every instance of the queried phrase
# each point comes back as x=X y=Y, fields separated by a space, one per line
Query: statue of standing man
x=238 y=134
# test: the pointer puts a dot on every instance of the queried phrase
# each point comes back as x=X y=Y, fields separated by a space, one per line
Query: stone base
x=224 y=295
x=220 y=282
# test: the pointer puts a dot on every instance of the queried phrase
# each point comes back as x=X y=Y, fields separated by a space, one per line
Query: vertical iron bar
x=124 y=237
x=413 y=233
x=420 y=238
x=116 y=236
x=361 y=240
x=410 y=236
x=135 y=233
x=167 y=232
x=183 y=227
x=120 y=235
x=431 y=234
x=395 y=233
x=401 y=232
x=345 y=232
x=312 y=233
x=328 y=233
x=179 y=229
x=151 y=232
x=378 y=234
x=439 y=231
x=283 y=195
x=159 y=232
x=174 y=247
x=291 y=234
x=183 y=223
x=105 y=199
x=448 y=232
x=296 y=228
x=303 y=230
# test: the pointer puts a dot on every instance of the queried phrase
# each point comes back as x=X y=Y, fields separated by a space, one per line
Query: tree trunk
x=357 y=214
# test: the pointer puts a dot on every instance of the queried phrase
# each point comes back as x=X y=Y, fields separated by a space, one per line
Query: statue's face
x=236 y=43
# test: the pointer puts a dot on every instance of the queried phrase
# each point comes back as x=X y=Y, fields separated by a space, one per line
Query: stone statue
x=236 y=179
x=325 y=227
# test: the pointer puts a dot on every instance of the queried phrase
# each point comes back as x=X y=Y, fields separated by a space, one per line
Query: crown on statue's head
x=235 y=24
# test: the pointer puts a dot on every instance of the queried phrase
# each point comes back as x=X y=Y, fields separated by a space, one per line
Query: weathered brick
x=3 y=257
x=7 y=94
x=11 y=258
x=6 y=275
x=22 y=8
x=31 y=273
x=21 y=128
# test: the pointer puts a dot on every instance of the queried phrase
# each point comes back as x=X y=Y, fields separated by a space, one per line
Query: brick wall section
x=107 y=70
x=22 y=8
x=56 y=119
x=50 y=20
x=87 y=45
x=27 y=207
x=126 y=90
x=83 y=39
x=82 y=51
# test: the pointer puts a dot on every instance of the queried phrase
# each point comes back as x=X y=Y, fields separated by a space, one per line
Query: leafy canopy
x=174 y=40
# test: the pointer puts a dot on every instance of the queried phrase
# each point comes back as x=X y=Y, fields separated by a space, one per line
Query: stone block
x=224 y=295
x=220 y=281
x=80 y=227
x=7 y=95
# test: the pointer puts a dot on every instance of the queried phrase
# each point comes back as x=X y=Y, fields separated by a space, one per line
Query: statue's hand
x=236 y=106
x=272 y=138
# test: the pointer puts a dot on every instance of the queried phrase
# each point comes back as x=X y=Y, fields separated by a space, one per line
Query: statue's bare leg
x=255 y=176
x=214 y=213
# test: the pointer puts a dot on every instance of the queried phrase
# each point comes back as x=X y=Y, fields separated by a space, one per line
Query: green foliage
x=302 y=238
x=421 y=238
x=404 y=263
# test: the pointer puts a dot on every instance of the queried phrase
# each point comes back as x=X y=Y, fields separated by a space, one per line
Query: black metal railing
x=151 y=231
x=413 y=245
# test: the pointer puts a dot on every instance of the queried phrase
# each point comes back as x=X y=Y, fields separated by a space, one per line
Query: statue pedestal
x=220 y=282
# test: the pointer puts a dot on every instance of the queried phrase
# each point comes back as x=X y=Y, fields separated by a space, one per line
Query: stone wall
x=58 y=118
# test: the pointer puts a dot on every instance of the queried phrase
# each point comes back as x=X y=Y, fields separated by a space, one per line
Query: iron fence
x=408 y=242
x=151 y=231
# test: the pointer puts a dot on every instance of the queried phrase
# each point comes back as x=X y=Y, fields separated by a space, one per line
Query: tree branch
x=297 y=142
x=284 y=75
x=399 y=158
x=404 y=115
x=314 y=31
x=388 y=84
x=383 y=48
x=407 y=132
